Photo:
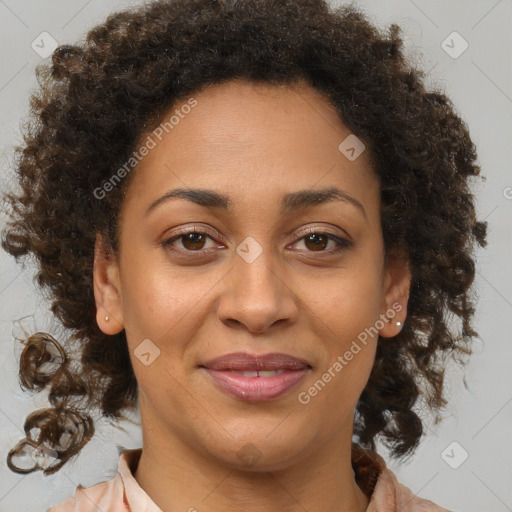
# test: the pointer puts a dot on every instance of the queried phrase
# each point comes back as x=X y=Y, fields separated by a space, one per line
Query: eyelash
x=341 y=243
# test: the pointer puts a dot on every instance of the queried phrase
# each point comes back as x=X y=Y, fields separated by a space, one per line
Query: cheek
x=169 y=310
x=156 y=302
x=350 y=346
x=344 y=312
x=347 y=302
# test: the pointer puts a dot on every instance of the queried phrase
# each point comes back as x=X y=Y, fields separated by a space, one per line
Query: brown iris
x=314 y=238
x=194 y=239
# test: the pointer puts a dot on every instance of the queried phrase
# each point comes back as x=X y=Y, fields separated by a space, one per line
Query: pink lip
x=256 y=389
x=224 y=372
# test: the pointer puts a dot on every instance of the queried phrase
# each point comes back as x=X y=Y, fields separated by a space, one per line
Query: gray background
x=478 y=419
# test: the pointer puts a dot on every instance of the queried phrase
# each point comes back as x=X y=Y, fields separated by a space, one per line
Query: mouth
x=256 y=378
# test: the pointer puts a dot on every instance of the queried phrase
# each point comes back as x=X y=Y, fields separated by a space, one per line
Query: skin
x=254 y=143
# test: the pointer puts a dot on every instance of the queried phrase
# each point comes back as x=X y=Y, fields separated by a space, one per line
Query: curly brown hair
x=97 y=98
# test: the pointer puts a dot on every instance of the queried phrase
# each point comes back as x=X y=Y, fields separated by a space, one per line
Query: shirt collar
x=367 y=466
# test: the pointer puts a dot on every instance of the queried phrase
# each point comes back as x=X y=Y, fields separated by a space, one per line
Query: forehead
x=251 y=137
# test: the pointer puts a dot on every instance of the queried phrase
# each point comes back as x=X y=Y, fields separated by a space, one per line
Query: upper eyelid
x=322 y=230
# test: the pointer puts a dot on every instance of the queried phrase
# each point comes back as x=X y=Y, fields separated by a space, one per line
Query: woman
x=255 y=220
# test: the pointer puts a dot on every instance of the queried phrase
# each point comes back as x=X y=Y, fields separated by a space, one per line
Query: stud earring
x=106 y=319
x=399 y=324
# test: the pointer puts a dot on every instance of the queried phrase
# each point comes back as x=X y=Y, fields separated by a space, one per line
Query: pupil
x=314 y=238
x=194 y=239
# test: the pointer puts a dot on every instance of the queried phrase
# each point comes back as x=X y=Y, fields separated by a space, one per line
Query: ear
x=107 y=289
x=397 y=283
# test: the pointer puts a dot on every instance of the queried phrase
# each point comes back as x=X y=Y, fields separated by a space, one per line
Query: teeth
x=270 y=373
x=265 y=373
x=249 y=374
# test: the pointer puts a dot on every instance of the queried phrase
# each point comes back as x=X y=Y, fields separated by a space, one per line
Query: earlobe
x=397 y=285
x=107 y=290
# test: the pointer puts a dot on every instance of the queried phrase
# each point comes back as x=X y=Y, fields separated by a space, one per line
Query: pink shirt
x=122 y=493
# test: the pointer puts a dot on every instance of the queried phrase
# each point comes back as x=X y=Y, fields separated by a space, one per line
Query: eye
x=191 y=240
x=314 y=241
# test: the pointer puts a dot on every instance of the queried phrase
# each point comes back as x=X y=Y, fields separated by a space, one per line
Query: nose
x=257 y=295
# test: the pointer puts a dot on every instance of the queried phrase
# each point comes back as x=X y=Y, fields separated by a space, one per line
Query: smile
x=256 y=386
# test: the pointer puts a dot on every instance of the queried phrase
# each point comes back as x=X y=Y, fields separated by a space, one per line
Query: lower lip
x=256 y=389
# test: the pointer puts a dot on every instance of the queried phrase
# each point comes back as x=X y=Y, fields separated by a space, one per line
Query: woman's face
x=254 y=280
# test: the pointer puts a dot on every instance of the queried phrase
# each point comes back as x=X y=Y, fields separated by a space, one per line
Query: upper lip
x=242 y=361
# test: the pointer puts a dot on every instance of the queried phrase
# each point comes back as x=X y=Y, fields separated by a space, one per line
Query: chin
x=261 y=449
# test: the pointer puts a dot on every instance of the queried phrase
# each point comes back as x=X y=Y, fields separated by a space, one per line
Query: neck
x=179 y=477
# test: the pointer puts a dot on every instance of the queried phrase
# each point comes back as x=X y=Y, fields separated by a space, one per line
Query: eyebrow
x=290 y=202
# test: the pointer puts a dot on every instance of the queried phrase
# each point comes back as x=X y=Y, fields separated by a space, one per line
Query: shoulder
x=104 y=495
x=381 y=485
x=108 y=495
x=121 y=493
x=65 y=506
x=390 y=495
